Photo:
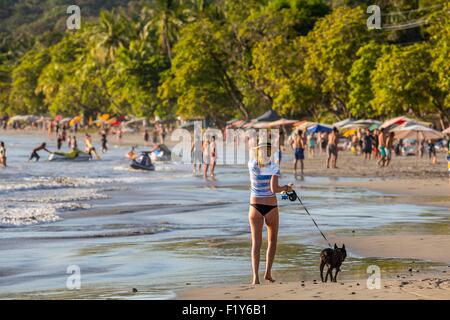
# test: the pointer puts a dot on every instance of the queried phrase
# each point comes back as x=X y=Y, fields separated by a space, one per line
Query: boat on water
x=143 y=162
x=74 y=155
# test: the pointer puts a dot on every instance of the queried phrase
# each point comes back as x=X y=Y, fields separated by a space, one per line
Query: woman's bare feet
x=269 y=278
x=255 y=282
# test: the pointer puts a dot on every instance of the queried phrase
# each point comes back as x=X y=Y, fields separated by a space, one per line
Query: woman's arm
x=275 y=188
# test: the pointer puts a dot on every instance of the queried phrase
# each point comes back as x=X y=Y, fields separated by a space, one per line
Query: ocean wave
x=58 y=196
x=15 y=217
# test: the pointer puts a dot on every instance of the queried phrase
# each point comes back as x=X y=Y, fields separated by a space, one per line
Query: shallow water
x=165 y=230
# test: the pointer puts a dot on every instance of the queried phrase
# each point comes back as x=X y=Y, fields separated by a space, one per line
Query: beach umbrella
x=234 y=123
x=417 y=132
x=320 y=128
x=343 y=123
x=447 y=131
x=305 y=125
x=350 y=133
x=105 y=117
x=75 y=120
x=282 y=122
x=395 y=122
x=261 y=125
x=268 y=116
x=249 y=125
x=361 y=124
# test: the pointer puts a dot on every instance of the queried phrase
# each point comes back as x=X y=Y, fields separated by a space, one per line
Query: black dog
x=333 y=258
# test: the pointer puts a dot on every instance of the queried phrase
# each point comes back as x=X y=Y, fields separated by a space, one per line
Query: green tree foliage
x=404 y=82
x=359 y=80
x=222 y=59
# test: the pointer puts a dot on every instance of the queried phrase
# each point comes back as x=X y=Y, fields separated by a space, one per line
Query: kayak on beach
x=143 y=162
x=74 y=155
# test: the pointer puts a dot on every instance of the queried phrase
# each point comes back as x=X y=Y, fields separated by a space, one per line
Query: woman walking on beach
x=264 y=174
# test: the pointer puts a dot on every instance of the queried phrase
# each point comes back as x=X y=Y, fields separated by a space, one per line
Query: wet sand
x=409 y=286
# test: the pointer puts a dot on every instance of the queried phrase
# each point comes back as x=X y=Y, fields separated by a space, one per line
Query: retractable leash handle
x=292 y=196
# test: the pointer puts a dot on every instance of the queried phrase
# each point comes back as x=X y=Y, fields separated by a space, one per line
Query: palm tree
x=166 y=18
x=115 y=31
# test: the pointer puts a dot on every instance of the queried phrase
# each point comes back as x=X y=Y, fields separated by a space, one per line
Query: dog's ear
x=343 y=246
x=335 y=246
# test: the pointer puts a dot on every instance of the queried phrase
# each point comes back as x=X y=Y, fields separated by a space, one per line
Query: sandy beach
x=411 y=180
x=409 y=242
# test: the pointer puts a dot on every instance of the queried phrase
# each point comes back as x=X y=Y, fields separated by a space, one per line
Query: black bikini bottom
x=263 y=209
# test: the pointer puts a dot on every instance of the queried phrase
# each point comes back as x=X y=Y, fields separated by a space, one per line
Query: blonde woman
x=264 y=175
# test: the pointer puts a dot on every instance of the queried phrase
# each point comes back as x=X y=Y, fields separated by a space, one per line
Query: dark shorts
x=367 y=150
x=332 y=150
x=299 y=154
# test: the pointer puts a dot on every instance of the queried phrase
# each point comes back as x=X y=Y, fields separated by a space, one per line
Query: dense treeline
x=223 y=59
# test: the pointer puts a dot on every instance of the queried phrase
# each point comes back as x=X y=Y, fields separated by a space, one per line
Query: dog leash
x=293 y=197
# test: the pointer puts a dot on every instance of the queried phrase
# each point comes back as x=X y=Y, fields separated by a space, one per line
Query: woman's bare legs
x=256 y=224
x=272 y=222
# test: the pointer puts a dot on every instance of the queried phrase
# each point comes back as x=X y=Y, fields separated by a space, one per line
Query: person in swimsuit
x=104 y=140
x=197 y=153
x=2 y=154
x=298 y=145
x=332 y=149
x=382 y=148
x=35 y=155
x=206 y=156
x=89 y=147
x=389 y=148
x=368 y=141
x=264 y=175
x=213 y=153
x=312 y=145
x=146 y=137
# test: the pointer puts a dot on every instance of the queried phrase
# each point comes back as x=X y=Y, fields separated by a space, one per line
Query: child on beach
x=264 y=174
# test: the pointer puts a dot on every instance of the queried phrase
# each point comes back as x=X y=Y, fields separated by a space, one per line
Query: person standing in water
x=213 y=150
x=264 y=175
x=2 y=154
x=146 y=137
x=298 y=145
x=59 y=141
x=34 y=153
x=89 y=147
x=206 y=156
x=104 y=139
x=197 y=153
x=332 y=149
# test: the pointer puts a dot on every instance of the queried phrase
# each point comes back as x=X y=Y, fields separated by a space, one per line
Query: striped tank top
x=260 y=178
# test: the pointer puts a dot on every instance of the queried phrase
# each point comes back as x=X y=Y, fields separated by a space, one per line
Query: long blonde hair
x=263 y=154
